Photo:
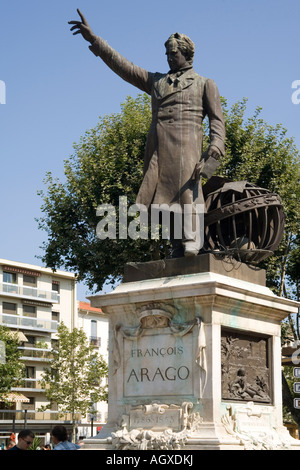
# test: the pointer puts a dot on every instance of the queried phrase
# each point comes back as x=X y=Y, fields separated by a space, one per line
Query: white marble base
x=165 y=378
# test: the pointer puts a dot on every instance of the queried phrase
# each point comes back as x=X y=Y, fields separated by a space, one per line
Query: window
x=93 y=328
x=94 y=340
x=29 y=280
x=8 y=307
x=29 y=311
x=55 y=286
x=30 y=372
x=9 y=277
x=30 y=340
x=55 y=316
x=10 y=282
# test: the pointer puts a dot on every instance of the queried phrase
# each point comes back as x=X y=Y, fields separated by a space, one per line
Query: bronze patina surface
x=173 y=162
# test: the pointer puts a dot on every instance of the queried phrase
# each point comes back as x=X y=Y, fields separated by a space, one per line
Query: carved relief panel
x=246 y=371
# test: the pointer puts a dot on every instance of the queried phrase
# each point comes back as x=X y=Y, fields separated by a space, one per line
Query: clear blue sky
x=56 y=89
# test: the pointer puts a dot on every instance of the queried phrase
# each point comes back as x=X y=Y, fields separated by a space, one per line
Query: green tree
x=11 y=368
x=73 y=379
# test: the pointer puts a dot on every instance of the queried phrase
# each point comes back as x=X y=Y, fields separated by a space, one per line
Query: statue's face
x=176 y=59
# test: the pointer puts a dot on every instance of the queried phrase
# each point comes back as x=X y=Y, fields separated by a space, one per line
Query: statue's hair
x=185 y=45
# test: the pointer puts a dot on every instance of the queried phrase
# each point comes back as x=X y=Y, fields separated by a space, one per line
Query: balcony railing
x=35 y=354
x=29 y=384
x=28 y=323
x=29 y=292
x=95 y=341
x=8 y=415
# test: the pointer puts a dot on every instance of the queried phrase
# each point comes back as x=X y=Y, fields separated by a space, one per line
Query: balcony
x=35 y=354
x=29 y=385
x=95 y=341
x=6 y=416
x=28 y=323
x=32 y=293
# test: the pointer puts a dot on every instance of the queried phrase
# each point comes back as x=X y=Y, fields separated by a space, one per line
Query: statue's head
x=183 y=44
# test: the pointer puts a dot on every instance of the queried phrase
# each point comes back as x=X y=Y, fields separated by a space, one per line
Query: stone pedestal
x=194 y=358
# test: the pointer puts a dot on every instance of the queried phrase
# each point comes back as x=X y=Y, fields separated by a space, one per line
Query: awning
x=15 y=397
x=20 y=336
x=15 y=269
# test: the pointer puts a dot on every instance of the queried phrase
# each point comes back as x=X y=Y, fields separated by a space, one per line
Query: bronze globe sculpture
x=243 y=220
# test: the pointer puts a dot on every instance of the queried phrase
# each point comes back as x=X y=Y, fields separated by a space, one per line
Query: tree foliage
x=12 y=371
x=72 y=381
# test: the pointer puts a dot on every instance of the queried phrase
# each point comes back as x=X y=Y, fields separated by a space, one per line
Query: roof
x=87 y=306
x=36 y=269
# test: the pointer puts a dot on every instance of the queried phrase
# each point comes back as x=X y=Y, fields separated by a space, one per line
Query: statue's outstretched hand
x=82 y=27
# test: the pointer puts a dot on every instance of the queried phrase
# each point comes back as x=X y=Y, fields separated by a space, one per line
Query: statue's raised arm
x=181 y=99
x=131 y=73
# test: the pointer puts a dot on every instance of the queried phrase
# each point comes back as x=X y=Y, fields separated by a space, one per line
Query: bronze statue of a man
x=173 y=161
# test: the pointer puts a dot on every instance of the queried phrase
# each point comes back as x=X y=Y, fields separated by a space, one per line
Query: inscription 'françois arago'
x=161 y=369
x=170 y=373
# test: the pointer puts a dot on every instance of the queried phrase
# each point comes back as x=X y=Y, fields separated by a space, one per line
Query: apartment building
x=33 y=300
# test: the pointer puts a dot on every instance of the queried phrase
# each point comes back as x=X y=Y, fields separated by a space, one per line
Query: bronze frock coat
x=180 y=102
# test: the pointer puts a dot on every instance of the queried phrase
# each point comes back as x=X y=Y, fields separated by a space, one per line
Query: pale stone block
x=171 y=385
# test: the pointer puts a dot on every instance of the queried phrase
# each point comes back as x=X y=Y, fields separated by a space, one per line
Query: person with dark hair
x=11 y=444
x=60 y=439
x=25 y=440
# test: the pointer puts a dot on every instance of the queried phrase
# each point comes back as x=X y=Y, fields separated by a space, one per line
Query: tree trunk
x=284 y=265
x=73 y=428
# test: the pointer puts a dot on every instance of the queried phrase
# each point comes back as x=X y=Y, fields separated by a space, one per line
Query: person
x=25 y=440
x=11 y=444
x=46 y=447
x=60 y=439
x=173 y=162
